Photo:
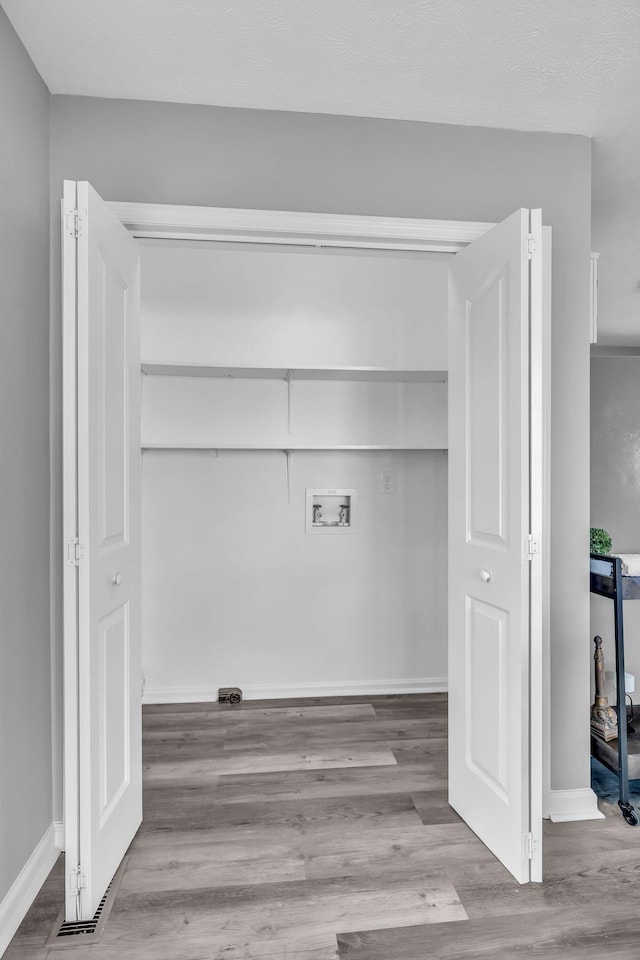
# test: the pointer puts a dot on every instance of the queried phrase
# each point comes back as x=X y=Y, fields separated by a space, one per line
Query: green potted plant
x=600 y=542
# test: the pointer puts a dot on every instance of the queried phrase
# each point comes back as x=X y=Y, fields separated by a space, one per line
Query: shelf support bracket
x=289 y=457
x=289 y=378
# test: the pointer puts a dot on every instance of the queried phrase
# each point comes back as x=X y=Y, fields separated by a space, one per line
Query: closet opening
x=273 y=375
x=340 y=491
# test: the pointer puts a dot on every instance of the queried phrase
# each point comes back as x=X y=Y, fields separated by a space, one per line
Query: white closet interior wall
x=234 y=590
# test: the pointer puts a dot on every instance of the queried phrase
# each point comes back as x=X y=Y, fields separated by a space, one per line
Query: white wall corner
x=58 y=827
x=272 y=691
x=26 y=886
x=566 y=805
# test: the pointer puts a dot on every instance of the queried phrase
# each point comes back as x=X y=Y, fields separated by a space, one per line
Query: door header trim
x=168 y=221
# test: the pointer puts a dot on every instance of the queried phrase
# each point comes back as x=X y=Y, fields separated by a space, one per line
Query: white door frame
x=168 y=221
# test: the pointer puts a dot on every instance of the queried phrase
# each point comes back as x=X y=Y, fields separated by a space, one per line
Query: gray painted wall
x=172 y=153
x=615 y=486
x=25 y=676
x=616 y=212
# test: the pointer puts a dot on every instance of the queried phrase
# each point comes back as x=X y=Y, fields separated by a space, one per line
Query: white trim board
x=169 y=221
x=272 y=691
x=58 y=827
x=566 y=805
x=26 y=886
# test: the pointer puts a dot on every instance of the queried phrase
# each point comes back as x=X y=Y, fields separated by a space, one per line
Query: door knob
x=485 y=576
x=117 y=580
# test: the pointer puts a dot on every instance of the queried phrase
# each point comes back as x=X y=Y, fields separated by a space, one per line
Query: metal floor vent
x=70 y=933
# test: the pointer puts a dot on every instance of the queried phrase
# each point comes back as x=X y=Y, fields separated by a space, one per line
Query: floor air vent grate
x=76 y=932
x=76 y=928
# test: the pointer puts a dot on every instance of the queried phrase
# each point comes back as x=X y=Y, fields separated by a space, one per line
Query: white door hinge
x=77 y=881
x=530 y=846
x=533 y=546
x=531 y=246
x=73 y=224
x=75 y=552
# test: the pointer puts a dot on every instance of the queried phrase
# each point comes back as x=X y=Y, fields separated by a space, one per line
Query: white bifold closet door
x=102 y=460
x=495 y=520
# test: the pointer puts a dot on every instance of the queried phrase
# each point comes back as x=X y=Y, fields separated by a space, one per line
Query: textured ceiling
x=569 y=66
x=561 y=65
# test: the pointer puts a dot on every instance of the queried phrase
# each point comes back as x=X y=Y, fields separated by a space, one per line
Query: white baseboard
x=565 y=805
x=272 y=691
x=26 y=886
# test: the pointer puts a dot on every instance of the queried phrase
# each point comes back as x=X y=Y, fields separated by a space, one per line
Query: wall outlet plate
x=387 y=481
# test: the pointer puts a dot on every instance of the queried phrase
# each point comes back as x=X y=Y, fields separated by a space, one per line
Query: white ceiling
x=560 y=65
x=568 y=66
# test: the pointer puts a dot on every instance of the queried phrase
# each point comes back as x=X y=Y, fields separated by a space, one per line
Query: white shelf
x=163 y=369
x=151 y=445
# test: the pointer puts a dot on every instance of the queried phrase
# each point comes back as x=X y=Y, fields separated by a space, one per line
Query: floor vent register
x=80 y=932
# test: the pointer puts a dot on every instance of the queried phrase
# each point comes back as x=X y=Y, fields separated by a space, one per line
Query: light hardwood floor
x=318 y=830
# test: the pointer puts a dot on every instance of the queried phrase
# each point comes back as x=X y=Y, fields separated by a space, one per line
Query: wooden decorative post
x=604 y=720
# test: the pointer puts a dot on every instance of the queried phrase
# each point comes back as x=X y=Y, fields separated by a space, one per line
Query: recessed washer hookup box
x=330 y=510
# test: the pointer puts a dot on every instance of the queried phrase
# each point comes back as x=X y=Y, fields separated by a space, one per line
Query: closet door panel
x=103 y=759
x=495 y=781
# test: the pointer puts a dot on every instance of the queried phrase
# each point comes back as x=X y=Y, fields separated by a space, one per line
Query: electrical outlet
x=387 y=481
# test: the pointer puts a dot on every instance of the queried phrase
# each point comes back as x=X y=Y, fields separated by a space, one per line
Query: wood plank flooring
x=320 y=830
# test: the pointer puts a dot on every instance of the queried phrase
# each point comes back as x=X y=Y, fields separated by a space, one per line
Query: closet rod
x=340 y=448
